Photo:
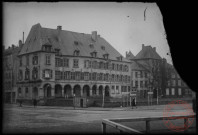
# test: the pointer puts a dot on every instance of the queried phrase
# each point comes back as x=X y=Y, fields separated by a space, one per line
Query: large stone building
x=152 y=76
x=10 y=68
x=58 y=63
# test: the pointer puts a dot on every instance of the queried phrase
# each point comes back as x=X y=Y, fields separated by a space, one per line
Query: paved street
x=44 y=119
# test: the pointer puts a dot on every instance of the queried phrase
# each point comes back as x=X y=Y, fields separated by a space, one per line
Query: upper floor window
x=94 y=76
x=68 y=74
x=47 y=59
x=102 y=47
x=136 y=84
x=58 y=62
x=58 y=75
x=27 y=74
x=20 y=75
x=173 y=82
x=47 y=73
x=34 y=73
x=129 y=79
x=113 y=66
x=179 y=82
x=65 y=62
x=136 y=74
x=75 y=63
x=35 y=60
x=86 y=76
x=77 y=75
x=173 y=75
x=112 y=78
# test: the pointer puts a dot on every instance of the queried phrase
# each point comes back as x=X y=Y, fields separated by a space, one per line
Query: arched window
x=26 y=92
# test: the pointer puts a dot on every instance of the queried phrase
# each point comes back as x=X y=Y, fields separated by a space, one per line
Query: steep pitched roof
x=148 y=52
x=65 y=41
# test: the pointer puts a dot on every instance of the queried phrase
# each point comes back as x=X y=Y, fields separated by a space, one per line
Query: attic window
x=119 y=58
x=106 y=56
x=57 y=51
x=76 y=53
x=76 y=42
x=93 y=54
x=102 y=47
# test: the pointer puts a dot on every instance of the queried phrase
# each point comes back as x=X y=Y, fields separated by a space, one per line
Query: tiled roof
x=65 y=41
x=148 y=52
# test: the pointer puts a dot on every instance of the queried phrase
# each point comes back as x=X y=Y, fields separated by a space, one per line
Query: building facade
x=10 y=68
x=55 y=63
x=152 y=76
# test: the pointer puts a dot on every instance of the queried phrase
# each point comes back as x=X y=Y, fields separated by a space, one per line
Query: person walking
x=35 y=103
x=133 y=103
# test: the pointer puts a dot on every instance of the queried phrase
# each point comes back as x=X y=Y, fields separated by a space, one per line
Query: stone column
x=72 y=91
x=63 y=93
x=97 y=91
x=52 y=92
x=81 y=92
x=90 y=92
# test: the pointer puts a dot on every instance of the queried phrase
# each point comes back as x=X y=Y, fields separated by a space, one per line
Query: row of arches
x=67 y=90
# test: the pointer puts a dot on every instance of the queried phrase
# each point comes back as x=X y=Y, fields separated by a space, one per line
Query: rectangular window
x=68 y=75
x=167 y=91
x=179 y=82
x=129 y=79
x=47 y=73
x=75 y=63
x=77 y=75
x=141 y=84
x=82 y=76
x=136 y=74
x=173 y=82
x=65 y=62
x=179 y=91
x=47 y=62
x=72 y=75
x=93 y=76
x=146 y=84
x=173 y=75
x=173 y=91
x=86 y=76
x=58 y=75
x=136 y=84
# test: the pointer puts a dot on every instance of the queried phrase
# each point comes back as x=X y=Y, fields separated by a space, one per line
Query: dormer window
x=94 y=54
x=76 y=53
x=106 y=56
x=119 y=58
x=102 y=47
x=47 y=48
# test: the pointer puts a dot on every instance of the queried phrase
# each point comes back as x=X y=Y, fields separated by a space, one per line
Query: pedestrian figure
x=133 y=103
x=35 y=103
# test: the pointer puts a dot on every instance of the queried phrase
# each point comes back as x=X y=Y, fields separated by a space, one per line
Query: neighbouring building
x=10 y=68
x=55 y=63
x=152 y=75
x=175 y=86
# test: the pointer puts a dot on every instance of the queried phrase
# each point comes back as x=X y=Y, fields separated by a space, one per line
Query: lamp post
x=103 y=99
x=74 y=101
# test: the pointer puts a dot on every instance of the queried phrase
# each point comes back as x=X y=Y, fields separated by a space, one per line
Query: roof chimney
x=94 y=35
x=59 y=27
x=154 y=48
x=142 y=46
x=20 y=43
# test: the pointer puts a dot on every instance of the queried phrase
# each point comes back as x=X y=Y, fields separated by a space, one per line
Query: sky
x=123 y=25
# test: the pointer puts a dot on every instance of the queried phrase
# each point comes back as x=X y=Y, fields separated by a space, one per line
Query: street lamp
x=74 y=100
